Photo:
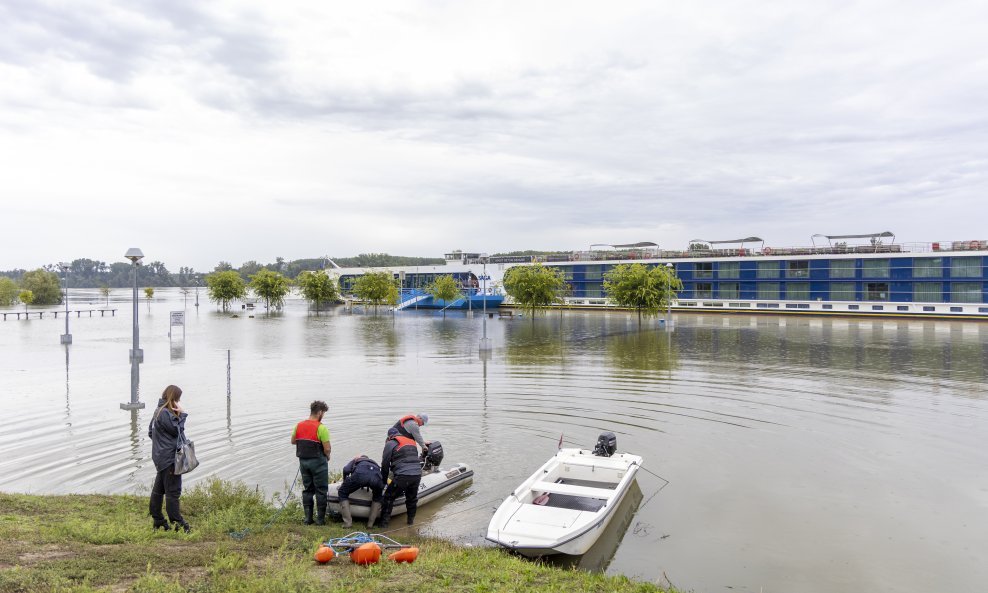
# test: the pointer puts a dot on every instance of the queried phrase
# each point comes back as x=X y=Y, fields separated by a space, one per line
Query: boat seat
x=571 y=490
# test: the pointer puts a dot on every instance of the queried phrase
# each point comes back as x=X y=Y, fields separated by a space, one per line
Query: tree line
x=90 y=273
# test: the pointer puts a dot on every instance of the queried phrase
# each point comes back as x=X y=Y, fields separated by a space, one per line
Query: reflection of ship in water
x=602 y=552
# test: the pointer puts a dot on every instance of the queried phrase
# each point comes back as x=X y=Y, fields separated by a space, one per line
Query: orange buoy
x=368 y=553
x=324 y=554
x=405 y=555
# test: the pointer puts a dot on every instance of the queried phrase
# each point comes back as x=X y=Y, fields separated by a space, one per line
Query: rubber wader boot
x=321 y=513
x=308 y=514
x=345 y=513
x=375 y=512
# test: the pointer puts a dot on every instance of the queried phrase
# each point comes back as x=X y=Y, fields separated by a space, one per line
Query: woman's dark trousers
x=167 y=487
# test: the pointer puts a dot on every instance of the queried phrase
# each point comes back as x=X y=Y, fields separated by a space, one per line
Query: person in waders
x=311 y=440
x=401 y=456
x=361 y=472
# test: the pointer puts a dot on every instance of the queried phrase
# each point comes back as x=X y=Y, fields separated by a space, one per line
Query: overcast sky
x=207 y=131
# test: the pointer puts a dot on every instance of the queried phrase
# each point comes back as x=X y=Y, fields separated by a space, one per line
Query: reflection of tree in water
x=647 y=350
x=445 y=335
x=537 y=343
x=379 y=336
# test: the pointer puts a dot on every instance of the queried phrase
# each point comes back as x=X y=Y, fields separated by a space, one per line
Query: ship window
x=593 y=272
x=928 y=267
x=798 y=291
x=853 y=307
x=768 y=305
x=902 y=308
x=703 y=270
x=842 y=291
x=828 y=306
x=875 y=268
x=729 y=269
x=790 y=305
x=842 y=268
x=982 y=309
x=593 y=290
x=927 y=292
x=768 y=269
x=768 y=290
x=728 y=290
x=739 y=304
x=965 y=292
x=929 y=308
x=798 y=269
x=703 y=290
x=957 y=309
x=877 y=307
x=877 y=291
x=965 y=267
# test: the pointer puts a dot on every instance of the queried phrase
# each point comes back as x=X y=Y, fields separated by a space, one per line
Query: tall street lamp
x=485 y=342
x=669 y=268
x=136 y=354
x=66 y=337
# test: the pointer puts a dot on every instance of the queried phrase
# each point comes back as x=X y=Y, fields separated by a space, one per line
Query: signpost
x=176 y=318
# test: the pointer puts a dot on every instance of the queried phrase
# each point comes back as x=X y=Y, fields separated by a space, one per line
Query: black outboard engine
x=432 y=456
x=606 y=445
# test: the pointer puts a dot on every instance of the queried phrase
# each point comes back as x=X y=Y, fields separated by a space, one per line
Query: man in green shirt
x=311 y=440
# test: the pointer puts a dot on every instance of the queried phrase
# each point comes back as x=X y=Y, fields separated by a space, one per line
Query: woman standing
x=165 y=430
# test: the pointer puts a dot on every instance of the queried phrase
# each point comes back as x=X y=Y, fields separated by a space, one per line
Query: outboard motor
x=432 y=456
x=606 y=445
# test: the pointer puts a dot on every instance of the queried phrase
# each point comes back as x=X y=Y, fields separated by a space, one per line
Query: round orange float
x=324 y=554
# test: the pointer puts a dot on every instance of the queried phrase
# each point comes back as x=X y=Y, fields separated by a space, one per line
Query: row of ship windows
x=926 y=267
x=928 y=292
x=926 y=308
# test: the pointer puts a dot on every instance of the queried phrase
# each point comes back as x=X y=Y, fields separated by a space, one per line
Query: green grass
x=89 y=543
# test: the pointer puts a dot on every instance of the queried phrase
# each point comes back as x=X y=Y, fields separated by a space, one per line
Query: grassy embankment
x=86 y=543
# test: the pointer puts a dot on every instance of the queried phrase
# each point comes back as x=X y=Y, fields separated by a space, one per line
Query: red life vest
x=400 y=425
x=407 y=451
x=307 y=443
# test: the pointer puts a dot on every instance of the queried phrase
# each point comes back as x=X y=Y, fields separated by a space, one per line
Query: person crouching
x=361 y=472
x=401 y=456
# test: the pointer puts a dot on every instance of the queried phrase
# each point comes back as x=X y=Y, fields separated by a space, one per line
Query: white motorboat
x=436 y=481
x=567 y=503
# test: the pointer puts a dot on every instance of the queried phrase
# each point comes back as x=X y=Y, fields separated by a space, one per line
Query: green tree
x=8 y=292
x=26 y=297
x=105 y=293
x=318 y=287
x=535 y=287
x=225 y=286
x=270 y=286
x=647 y=289
x=45 y=286
x=377 y=288
x=444 y=289
x=148 y=295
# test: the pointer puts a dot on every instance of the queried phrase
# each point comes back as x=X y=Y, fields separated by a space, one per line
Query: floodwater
x=802 y=454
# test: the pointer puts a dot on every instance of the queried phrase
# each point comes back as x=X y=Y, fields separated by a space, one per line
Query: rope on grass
x=240 y=535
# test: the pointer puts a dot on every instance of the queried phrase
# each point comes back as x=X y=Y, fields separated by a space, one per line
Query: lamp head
x=64 y=266
x=668 y=265
x=134 y=255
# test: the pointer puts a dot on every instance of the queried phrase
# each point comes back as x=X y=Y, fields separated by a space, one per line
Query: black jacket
x=403 y=461
x=163 y=430
x=365 y=471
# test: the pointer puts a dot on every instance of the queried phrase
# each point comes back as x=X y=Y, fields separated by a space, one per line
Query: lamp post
x=197 y=293
x=136 y=354
x=669 y=268
x=66 y=337
x=485 y=342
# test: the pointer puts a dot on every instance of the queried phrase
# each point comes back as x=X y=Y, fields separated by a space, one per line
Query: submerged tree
x=148 y=295
x=8 y=292
x=535 y=287
x=44 y=285
x=225 y=286
x=318 y=287
x=445 y=289
x=104 y=291
x=647 y=289
x=270 y=286
x=26 y=297
x=377 y=288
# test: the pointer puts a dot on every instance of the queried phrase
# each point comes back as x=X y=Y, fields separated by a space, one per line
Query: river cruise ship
x=847 y=275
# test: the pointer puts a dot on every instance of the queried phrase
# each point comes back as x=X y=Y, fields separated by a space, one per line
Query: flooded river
x=802 y=454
